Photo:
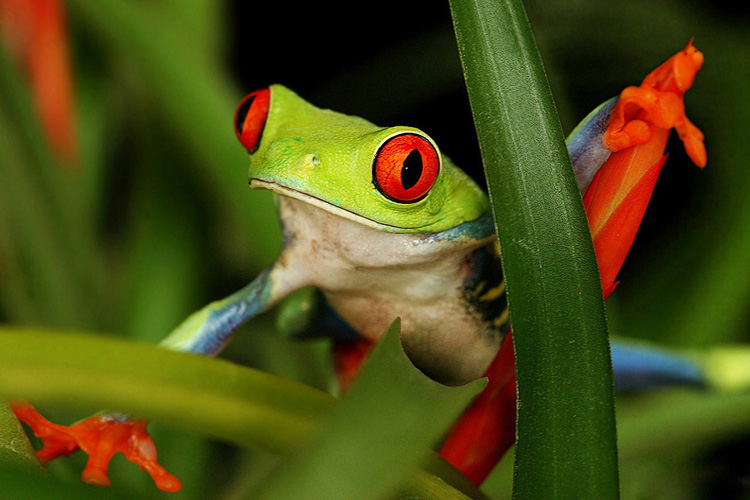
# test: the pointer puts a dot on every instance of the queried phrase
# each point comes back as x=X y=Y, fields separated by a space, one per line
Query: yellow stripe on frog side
x=501 y=320
x=493 y=293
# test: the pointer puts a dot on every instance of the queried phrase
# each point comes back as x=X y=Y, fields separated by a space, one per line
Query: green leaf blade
x=567 y=444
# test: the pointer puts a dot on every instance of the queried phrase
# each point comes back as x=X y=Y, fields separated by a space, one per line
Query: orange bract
x=637 y=134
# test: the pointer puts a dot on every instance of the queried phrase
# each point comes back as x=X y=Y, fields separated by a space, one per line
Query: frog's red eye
x=250 y=118
x=406 y=167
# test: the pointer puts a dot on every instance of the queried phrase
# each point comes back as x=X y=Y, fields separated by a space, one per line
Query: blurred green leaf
x=53 y=188
x=650 y=427
x=197 y=102
x=37 y=218
x=566 y=427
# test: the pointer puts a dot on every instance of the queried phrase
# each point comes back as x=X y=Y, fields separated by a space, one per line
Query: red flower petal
x=616 y=202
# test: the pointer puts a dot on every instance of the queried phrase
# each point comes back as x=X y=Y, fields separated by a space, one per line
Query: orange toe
x=658 y=103
x=101 y=437
x=95 y=477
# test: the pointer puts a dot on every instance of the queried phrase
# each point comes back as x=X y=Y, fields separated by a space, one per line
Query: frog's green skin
x=434 y=263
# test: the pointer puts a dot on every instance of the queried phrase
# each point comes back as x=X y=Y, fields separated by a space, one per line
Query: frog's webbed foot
x=692 y=139
x=100 y=436
x=626 y=129
x=658 y=102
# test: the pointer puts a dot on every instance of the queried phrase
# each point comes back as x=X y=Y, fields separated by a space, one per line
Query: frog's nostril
x=308 y=161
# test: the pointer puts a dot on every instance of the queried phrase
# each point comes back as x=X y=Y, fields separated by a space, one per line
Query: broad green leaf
x=217 y=398
x=209 y=396
x=566 y=427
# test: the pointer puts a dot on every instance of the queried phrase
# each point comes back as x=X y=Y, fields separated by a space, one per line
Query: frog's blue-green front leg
x=208 y=330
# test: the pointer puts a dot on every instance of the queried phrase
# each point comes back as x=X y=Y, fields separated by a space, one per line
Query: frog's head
x=393 y=179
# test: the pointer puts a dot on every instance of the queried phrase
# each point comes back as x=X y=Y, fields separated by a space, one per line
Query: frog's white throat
x=371 y=277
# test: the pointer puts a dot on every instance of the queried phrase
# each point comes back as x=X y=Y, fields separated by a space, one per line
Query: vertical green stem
x=566 y=426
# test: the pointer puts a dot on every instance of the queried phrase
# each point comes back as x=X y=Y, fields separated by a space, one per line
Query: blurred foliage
x=157 y=219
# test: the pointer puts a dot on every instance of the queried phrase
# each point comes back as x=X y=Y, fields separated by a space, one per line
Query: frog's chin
x=323 y=205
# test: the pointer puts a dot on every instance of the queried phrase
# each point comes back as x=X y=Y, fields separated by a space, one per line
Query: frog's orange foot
x=658 y=102
x=692 y=139
x=100 y=437
x=625 y=134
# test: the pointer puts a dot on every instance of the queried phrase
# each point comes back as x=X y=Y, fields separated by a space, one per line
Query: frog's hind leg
x=639 y=367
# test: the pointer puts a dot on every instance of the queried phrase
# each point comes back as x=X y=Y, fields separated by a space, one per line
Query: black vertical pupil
x=242 y=113
x=411 y=171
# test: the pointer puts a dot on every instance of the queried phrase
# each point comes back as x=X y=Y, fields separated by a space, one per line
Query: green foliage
x=157 y=220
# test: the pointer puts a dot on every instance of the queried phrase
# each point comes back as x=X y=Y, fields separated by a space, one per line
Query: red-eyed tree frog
x=382 y=225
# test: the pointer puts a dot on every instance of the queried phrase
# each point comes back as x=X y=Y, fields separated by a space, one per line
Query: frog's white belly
x=370 y=277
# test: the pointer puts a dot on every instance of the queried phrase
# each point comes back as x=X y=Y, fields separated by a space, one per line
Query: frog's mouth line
x=324 y=205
